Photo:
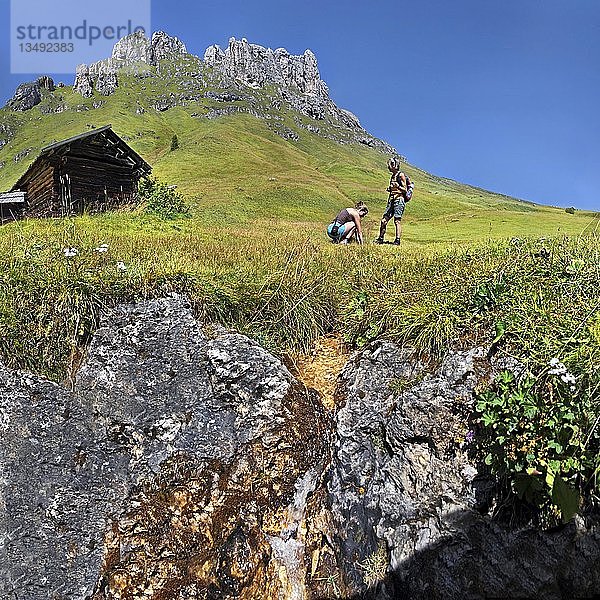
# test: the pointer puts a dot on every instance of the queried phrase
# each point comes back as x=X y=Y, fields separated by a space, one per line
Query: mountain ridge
x=259 y=139
x=243 y=71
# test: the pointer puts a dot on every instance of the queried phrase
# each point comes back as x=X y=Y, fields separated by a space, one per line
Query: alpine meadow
x=251 y=160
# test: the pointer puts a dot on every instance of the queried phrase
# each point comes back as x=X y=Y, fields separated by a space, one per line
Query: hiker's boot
x=396 y=242
x=379 y=240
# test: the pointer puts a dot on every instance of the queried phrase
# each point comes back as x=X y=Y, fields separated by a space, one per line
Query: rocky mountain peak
x=165 y=46
x=257 y=66
x=134 y=47
x=139 y=48
x=128 y=52
x=243 y=77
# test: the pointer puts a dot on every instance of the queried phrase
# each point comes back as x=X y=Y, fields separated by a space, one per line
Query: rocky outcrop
x=29 y=94
x=164 y=46
x=19 y=156
x=186 y=462
x=411 y=506
x=7 y=132
x=84 y=83
x=256 y=66
x=180 y=465
x=129 y=53
x=106 y=79
x=136 y=47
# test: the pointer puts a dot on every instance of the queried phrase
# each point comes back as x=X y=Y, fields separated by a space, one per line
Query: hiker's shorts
x=394 y=208
x=340 y=233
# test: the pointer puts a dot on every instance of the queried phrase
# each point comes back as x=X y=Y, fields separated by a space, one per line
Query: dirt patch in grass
x=319 y=370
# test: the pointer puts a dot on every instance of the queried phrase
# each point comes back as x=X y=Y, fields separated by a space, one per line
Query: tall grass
x=286 y=287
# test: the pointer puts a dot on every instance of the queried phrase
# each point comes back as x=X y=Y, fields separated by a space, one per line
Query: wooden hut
x=93 y=172
x=11 y=206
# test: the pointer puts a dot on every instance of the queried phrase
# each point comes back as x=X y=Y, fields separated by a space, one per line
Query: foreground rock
x=180 y=466
x=410 y=505
x=190 y=464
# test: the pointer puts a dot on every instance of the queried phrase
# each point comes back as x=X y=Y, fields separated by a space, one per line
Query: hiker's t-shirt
x=343 y=217
x=397 y=179
x=397 y=194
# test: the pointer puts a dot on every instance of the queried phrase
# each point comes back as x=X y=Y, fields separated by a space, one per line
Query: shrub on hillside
x=570 y=210
x=174 y=143
x=161 y=199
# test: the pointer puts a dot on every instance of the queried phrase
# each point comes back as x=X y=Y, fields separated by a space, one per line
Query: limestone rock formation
x=263 y=82
x=241 y=71
x=298 y=83
x=29 y=94
x=127 y=54
x=256 y=66
x=83 y=81
x=187 y=463
x=164 y=47
x=136 y=47
x=180 y=465
x=410 y=504
x=106 y=79
x=133 y=48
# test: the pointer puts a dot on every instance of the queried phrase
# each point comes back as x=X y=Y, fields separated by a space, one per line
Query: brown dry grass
x=319 y=370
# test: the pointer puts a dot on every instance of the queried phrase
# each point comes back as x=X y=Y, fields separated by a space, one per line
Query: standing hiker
x=400 y=190
x=347 y=224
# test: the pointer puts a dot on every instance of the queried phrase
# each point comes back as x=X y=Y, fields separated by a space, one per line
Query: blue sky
x=503 y=95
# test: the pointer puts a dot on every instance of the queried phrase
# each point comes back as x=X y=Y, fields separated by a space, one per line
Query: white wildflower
x=121 y=266
x=102 y=248
x=568 y=378
x=557 y=367
x=70 y=252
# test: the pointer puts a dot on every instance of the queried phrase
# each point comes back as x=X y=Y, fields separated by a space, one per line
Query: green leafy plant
x=161 y=199
x=488 y=295
x=541 y=433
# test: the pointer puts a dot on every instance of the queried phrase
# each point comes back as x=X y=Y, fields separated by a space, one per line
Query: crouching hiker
x=347 y=225
x=400 y=190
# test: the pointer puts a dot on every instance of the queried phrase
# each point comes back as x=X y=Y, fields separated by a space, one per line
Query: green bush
x=161 y=199
x=174 y=143
x=541 y=434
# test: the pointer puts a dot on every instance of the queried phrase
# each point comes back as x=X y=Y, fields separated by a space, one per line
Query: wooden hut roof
x=12 y=198
x=102 y=143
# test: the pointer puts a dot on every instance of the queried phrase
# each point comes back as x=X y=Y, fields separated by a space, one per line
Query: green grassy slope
x=252 y=255
x=236 y=171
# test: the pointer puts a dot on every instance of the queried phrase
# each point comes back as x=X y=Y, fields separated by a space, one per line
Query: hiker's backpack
x=410 y=186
